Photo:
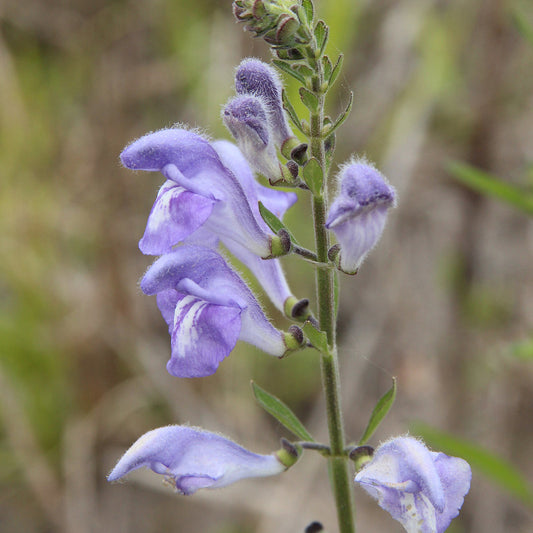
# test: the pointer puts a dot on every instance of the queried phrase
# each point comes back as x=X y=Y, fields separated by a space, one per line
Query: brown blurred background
x=445 y=302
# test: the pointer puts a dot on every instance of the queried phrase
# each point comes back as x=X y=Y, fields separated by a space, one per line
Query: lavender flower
x=188 y=160
x=179 y=215
x=358 y=214
x=253 y=77
x=421 y=489
x=208 y=307
x=192 y=459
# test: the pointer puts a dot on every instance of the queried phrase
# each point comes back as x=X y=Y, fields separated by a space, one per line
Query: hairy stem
x=325 y=282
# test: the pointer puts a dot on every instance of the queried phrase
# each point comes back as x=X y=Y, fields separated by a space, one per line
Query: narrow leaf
x=274 y=223
x=343 y=116
x=490 y=185
x=336 y=70
x=275 y=407
x=321 y=35
x=292 y=113
x=489 y=464
x=309 y=10
x=313 y=176
x=317 y=338
x=378 y=414
x=309 y=99
x=289 y=70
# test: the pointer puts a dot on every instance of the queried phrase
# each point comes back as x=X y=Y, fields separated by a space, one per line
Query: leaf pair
x=284 y=415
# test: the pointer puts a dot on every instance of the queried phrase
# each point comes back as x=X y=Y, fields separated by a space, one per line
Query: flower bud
x=253 y=77
x=358 y=215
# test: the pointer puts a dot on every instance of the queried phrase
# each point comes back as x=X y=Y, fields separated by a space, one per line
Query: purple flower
x=179 y=215
x=207 y=307
x=358 y=215
x=190 y=162
x=192 y=459
x=253 y=77
x=421 y=489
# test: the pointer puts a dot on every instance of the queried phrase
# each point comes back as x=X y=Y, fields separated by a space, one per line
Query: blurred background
x=445 y=302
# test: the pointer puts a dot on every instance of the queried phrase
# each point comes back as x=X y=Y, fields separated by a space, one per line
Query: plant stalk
x=340 y=476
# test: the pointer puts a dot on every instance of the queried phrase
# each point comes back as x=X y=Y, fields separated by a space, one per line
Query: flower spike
x=358 y=215
x=421 y=489
x=192 y=459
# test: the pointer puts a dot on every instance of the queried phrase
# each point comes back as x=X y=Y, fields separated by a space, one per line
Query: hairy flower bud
x=358 y=215
x=253 y=77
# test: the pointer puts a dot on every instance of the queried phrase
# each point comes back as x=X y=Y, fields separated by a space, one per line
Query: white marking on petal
x=186 y=320
x=417 y=518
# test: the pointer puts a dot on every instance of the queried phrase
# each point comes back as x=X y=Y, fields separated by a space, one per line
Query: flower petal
x=203 y=334
x=456 y=475
x=423 y=490
x=175 y=215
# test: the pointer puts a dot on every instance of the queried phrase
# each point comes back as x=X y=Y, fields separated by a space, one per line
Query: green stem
x=325 y=280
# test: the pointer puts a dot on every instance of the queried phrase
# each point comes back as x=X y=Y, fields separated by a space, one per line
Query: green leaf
x=291 y=111
x=275 y=407
x=380 y=411
x=313 y=176
x=309 y=99
x=274 y=223
x=336 y=70
x=288 y=70
x=321 y=35
x=309 y=10
x=317 y=338
x=490 y=185
x=489 y=464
